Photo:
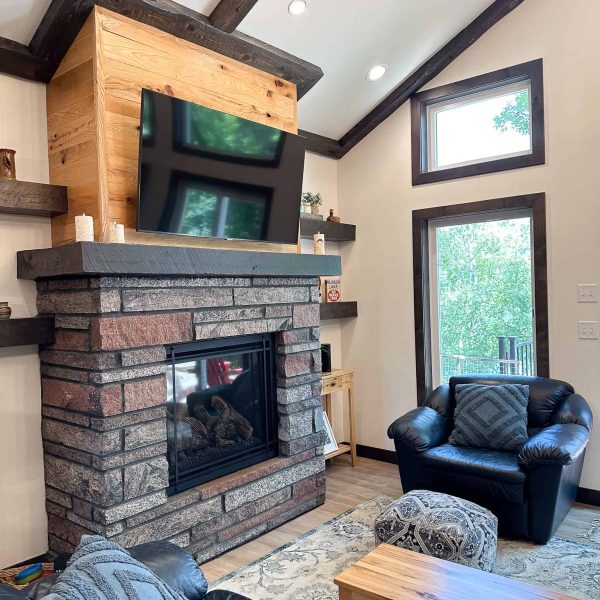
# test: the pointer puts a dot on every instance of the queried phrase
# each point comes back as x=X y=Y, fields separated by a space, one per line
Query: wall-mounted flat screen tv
x=206 y=173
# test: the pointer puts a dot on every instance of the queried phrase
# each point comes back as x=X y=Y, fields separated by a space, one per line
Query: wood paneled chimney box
x=93 y=105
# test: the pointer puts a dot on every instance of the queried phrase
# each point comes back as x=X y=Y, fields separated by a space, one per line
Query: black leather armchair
x=169 y=562
x=530 y=492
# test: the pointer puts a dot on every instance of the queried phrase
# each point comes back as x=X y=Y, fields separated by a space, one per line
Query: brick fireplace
x=104 y=389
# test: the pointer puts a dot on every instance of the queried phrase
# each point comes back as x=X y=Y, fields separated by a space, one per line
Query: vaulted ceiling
x=342 y=37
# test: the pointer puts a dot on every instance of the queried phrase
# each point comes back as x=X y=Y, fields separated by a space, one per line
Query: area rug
x=305 y=568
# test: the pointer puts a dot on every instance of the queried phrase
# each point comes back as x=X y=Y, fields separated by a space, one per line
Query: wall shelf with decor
x=338 y=310
x=32 y=199
x=26 y=331
x=334 y=232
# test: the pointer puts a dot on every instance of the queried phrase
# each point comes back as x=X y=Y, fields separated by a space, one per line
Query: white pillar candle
x=84 y=228
x=319 y=243
x=116 y=233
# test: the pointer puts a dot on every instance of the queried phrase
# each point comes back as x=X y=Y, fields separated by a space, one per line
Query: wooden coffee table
x=390 y=573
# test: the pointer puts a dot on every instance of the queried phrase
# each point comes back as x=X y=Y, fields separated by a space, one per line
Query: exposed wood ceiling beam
x=57 y=31
x=16 y=59
x=228 y=14
x=322 y=145
x=64 y=19
x=423 y=75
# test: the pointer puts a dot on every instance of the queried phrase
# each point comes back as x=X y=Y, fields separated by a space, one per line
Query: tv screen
x=206 y=173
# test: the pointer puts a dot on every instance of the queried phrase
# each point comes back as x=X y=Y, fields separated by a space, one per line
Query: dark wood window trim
x=532 y=71
x=420 y=225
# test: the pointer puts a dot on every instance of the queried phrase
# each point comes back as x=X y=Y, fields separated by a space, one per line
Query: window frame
x=421 y=103
x=422 y=289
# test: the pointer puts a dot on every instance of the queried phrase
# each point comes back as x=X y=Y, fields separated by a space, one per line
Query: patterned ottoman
x=442 y=526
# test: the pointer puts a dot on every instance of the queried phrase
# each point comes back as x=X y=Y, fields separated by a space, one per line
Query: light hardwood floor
x=347 y=487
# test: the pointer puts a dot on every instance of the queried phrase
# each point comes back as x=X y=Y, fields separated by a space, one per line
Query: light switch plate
x=588 y=330
x=587 y=292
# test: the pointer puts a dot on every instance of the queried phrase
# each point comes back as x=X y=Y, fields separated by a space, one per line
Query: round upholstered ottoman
x=442 y=526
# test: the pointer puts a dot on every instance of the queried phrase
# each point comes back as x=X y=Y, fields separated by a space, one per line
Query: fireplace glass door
x=221 y=408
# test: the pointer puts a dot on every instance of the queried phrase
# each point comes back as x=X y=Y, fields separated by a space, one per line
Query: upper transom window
x=481 y=125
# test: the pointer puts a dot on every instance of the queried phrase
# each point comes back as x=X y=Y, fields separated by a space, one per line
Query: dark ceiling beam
x=320 y=144
x=57 y=32
x=190 y=25
x=228 y=14
x=16 y=59
x=64 y=19
x=426 y=72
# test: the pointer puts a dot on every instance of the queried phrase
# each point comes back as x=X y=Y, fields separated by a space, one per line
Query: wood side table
x=338 y=380
x=390 y=573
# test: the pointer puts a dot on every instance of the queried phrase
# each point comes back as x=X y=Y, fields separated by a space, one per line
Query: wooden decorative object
x=93 y=106
x=8 y=169
x=333 y=218
x=5 y=310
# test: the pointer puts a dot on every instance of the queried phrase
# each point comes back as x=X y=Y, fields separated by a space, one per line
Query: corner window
x=485 y=124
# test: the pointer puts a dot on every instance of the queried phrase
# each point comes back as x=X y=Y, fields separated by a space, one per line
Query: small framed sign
x=333 y=290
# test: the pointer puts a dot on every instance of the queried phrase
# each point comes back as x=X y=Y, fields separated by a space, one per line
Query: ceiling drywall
x=344 y=37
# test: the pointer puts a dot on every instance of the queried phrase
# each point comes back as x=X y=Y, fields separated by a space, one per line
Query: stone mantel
x=84 y=259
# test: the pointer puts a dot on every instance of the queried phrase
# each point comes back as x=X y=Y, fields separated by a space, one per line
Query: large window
x=480 y=289
x=481 y=125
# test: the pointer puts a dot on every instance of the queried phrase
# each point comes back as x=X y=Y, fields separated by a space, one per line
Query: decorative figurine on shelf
x=84 y=228
x=314 y=201
x=332 y=217
x=333 y=291
x=5 y=310
x=8 y=169
x=319 y=243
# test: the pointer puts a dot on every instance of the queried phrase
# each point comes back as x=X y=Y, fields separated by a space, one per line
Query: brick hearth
x=104 y=408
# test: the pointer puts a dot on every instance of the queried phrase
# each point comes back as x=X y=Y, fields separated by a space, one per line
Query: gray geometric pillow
x=490 y=416
x=102 y=570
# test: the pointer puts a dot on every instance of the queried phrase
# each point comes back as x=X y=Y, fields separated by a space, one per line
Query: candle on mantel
x=84 y=228
x=116 y=233
x=319 y=243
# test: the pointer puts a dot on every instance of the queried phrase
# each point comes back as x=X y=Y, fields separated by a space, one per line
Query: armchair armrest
x=574 y=409
x=421 y=428
x=557 y=444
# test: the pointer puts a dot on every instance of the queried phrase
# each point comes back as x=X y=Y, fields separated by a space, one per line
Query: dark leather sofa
x=169 y=562
x=530 y=492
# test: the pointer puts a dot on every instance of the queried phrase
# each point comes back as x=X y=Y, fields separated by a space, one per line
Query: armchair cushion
x=491 y=416
x=574 y=409
x=557 y=444
x=421 y=428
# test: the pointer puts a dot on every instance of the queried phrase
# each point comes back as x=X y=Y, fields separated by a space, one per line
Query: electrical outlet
x=587 y=292
x=588 y=330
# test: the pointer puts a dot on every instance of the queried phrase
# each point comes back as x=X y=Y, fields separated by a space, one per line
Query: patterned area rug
x=305 y=568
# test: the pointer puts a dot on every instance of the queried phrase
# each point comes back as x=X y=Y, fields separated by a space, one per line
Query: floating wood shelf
x=27 y=331
x=334 y=232
x=33 y=199
x=338 y=310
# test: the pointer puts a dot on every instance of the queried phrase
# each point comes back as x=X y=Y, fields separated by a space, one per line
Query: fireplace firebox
x=221 y=408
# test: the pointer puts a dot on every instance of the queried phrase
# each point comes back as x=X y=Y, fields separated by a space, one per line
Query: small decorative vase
x=314 y=209
x=5 y=310
x=8 y=169
x=332 y=217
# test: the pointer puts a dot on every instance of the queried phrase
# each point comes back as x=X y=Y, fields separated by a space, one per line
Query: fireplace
x=221 y=408
x=146 y=361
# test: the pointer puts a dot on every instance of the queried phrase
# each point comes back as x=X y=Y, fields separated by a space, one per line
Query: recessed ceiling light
x=297 y=7
x=376 y=72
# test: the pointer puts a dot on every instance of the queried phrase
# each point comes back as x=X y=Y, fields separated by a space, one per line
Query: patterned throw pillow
x=102 y=570
x=490 y=416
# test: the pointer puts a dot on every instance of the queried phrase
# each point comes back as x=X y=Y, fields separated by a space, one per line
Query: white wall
x=321 y=175
x=22 y=512
x=375 y=192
